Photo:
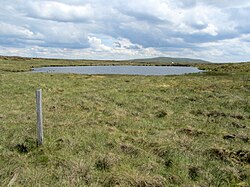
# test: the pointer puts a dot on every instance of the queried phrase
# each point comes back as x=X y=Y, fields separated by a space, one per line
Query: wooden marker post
x=39 y=117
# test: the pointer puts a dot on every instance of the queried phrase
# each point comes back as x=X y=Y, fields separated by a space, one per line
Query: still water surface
x=121 y=70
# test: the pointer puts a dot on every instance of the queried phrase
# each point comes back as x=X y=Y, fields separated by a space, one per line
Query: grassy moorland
x=189 y=130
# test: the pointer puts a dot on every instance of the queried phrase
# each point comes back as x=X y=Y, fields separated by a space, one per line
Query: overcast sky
x=215 y=30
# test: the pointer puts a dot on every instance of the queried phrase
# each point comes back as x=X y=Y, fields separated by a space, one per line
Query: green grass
x=189 y=130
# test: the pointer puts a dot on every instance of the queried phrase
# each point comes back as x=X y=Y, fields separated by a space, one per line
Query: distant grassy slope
x=21 y=64
x=170 y=60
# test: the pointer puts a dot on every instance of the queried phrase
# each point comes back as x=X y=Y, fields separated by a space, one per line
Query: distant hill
x=158 y=60
x=170 y=60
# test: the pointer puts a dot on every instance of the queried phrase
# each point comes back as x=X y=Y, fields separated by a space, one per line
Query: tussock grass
x=190 y=130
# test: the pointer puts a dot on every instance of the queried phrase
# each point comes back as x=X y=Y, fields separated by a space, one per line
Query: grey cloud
x=165 y=25
x=203 y=38
x=155 y=38
x=241 y=19
x=226 y=3
x=141 y=16
x=198 y=26
x=187 y=3
x=117 y=44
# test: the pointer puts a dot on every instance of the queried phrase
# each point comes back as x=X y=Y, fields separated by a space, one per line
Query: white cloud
x=57 y=11
x=97 y=45
x=213 y=30
x=96 y=50
x=120 y=49
x=7 y=29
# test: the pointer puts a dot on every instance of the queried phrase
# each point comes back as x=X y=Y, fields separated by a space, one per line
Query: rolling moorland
x=118 y=130
x=165 y=60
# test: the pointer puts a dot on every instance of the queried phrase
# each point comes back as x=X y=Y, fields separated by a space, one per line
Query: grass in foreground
x=190 y=130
